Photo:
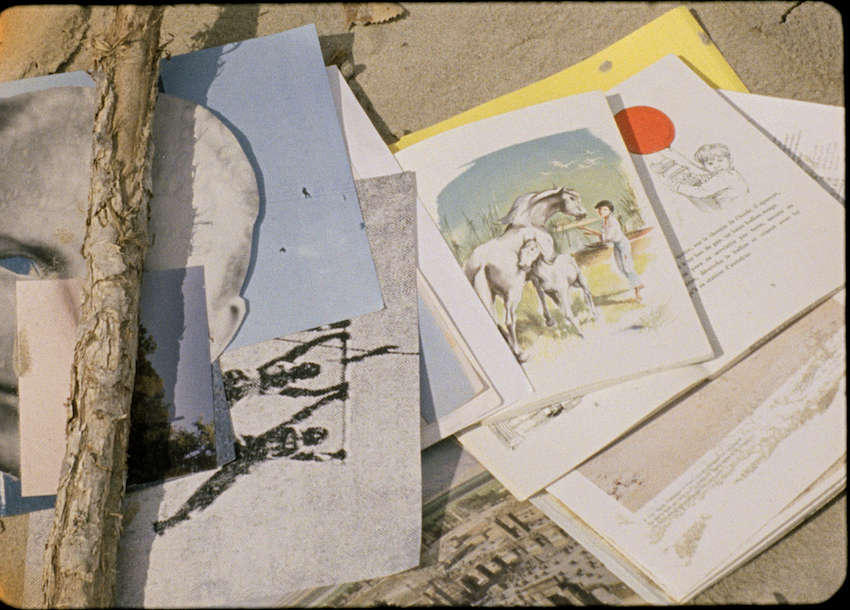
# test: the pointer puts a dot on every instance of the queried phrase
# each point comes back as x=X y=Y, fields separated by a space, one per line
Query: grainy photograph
x=202 y=213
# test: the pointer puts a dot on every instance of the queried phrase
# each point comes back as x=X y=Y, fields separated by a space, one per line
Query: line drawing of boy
x=612 y=233
x=203 y=210
x=713 y=182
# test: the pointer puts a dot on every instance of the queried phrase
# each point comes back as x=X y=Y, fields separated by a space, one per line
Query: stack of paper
x=671 y=507
x=736 y=214
x=277 y=389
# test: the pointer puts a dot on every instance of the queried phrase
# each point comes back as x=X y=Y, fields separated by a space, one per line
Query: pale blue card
x=443 y=385
x=311 y=263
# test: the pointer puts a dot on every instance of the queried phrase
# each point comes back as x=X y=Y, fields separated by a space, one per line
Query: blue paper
x=311 y=263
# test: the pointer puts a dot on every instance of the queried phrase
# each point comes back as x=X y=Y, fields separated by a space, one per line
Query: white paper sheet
x=327 y=484
x=800 y=414
x=468 y=179
x=682 y=511
x=809 y=133
x=370 y=157
x=750 y=258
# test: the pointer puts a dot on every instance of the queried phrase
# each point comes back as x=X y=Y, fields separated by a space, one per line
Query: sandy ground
x=437 y=60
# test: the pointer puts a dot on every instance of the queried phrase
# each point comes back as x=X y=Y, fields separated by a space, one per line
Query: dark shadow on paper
x=141 y=506
x=426 y=398
x=11 y=501
x=235 y=22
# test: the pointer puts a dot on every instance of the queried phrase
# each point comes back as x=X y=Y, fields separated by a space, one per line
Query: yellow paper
x=674 y=32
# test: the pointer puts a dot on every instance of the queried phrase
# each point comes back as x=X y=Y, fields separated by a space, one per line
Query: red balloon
x=645 y=129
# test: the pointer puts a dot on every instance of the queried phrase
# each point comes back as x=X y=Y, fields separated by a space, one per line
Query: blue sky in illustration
x=577 y=159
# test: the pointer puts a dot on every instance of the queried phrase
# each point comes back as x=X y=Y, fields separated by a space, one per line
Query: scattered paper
x=310 y=263
x=328 y=466
x=173 y=423
x=449 y=402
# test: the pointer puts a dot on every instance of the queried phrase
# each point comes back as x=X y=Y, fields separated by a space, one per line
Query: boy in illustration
x=714 y=183
x=612 y=233
x=204 y=206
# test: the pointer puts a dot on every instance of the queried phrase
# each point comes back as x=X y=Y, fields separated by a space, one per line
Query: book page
x=814 y=498
x=741 y=214
x=811 y=134
x=546 y=197
x=511 y=443
x=511 y=446
x=806 y=505
x=746 y=446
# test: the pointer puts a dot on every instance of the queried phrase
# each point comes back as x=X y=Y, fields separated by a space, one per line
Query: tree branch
x=82 y=549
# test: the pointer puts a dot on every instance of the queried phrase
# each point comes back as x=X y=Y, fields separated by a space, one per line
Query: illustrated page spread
x=542 y=209
x=511 y=445
x=510 y=450
x=801 y=383
x=675 y=31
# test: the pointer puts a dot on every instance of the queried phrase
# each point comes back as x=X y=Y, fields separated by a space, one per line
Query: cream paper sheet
x=686 y=495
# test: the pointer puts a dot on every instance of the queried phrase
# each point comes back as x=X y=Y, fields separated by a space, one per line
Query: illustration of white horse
x=555 y=280
x=495 y=268
x=535 y=209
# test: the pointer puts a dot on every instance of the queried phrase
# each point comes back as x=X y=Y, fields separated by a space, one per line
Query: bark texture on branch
x=82 y=549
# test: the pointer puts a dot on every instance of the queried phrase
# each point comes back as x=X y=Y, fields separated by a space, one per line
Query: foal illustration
x=495 y=269
x=499 y=267
x=555 y=280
